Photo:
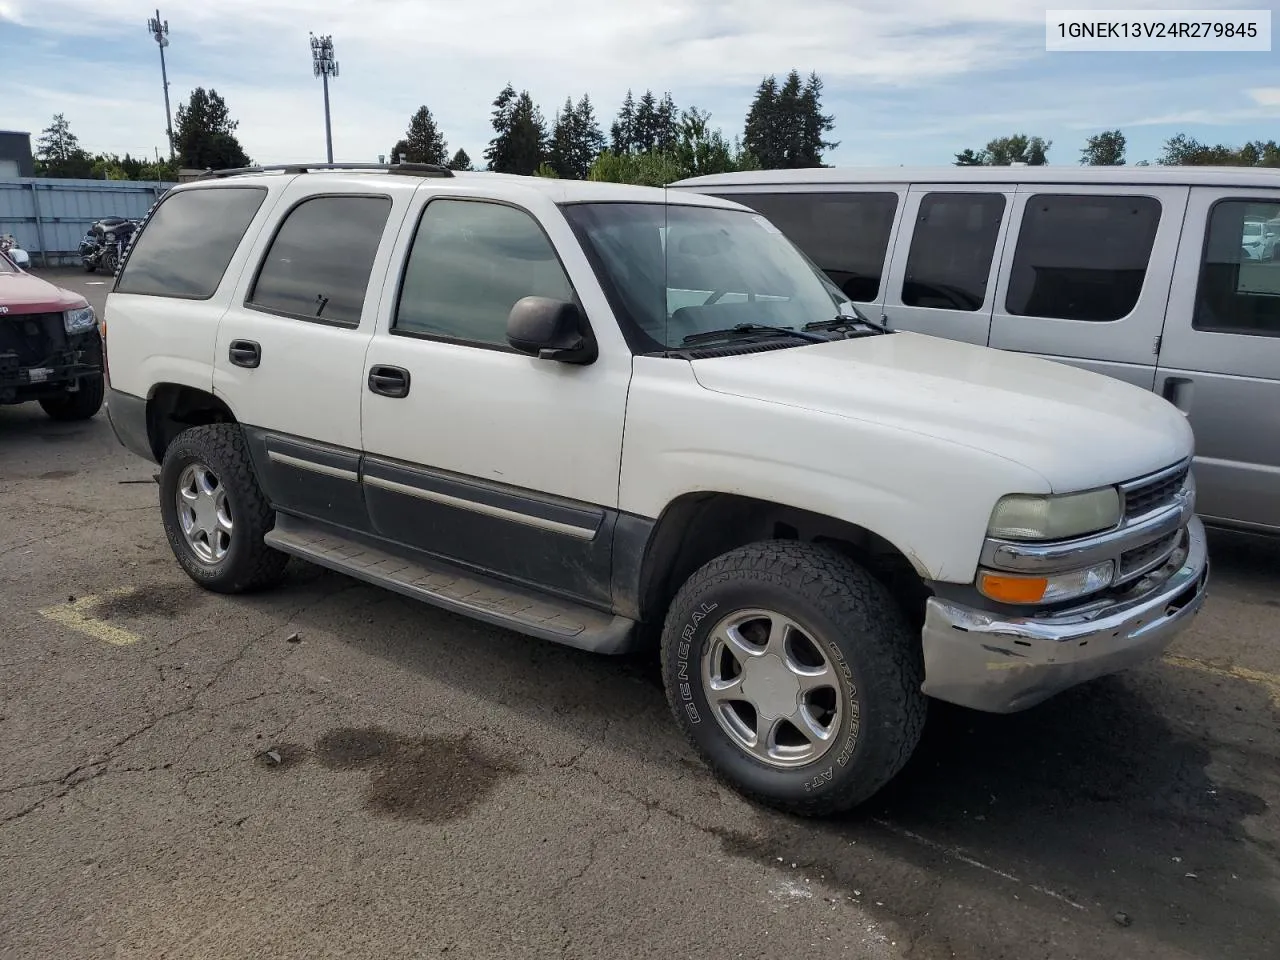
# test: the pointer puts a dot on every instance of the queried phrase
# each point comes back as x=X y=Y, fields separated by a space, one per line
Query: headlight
x=79 y=321
x=1026 y=517
x=1051 y=588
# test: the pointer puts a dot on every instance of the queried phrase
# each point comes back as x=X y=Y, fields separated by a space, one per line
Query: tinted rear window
x=1082 y=256
x=186 y=245
x=951 y=250
x=319 y=262
x=845 y=234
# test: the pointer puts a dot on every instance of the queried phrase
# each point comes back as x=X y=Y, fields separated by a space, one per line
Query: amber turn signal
x=1007 y=589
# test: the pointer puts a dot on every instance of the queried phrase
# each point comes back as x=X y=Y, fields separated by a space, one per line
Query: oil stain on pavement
x=428 y=779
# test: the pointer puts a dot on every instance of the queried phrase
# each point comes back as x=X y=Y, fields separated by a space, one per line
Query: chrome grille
x=1134 y=563
x=1143 y=496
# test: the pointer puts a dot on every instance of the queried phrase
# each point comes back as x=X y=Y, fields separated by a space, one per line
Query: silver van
x=1167 y=277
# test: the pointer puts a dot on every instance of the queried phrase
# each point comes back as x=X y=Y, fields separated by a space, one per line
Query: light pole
x=324 y=66
x=160 y=31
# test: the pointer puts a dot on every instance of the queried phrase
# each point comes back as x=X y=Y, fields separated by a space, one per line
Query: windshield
x=675 y=271
x=6 y=266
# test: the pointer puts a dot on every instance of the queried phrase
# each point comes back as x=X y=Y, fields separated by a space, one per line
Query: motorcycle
x=105 y=242
x=9 y=247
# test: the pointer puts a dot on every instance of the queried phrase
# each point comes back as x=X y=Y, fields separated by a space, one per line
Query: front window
x=6 y=266
x=676 y=271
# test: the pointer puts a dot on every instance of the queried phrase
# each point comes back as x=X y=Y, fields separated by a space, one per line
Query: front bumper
x=1002 y=664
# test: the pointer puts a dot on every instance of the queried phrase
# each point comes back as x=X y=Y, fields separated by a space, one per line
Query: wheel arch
x=697 y=527
x=174 y=407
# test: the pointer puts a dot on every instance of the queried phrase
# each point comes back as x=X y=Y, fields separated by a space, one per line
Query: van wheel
x=80 y=405
x=214 y=512
x=794 y=674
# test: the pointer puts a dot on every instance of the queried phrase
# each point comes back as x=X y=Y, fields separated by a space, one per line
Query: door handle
x=389 y=381
x=245 y=353
x=1177 y=390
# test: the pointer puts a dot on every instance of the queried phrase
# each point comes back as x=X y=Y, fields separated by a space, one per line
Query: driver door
x=484 y=456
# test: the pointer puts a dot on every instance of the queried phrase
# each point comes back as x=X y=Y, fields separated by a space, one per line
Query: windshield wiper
x=847 y=323
x=752 y=328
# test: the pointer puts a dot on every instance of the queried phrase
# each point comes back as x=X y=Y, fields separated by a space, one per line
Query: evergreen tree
x=667 y=124
x=785 y=125
x=576 y=140
x=623 y=131
x=503 y=109
x=814 y=123
x=423 y=142
x=520 y=142
x=460 y=161
x=645 y=137
x=589 y=138
x=204 y=133
x=759 y=134
x=59 y=154
x=560 y=154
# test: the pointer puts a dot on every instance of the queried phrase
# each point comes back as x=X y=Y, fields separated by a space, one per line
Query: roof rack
x=413 y=169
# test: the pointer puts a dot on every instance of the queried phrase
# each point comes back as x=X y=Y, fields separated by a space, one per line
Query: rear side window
x=1082 y=257
x=185 y=247
x=951 y=250
x=1239 y=289
x=845 y=234
x=470 y=262
x=318 y=265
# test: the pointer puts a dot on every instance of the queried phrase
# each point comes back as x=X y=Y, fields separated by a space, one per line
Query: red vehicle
x=50 y=346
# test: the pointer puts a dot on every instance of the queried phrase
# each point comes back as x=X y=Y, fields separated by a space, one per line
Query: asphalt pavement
x=331 y=770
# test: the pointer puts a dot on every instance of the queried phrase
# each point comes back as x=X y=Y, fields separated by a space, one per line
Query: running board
x=461 y=591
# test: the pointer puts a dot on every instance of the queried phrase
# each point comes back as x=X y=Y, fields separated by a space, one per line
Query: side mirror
x=550 y=330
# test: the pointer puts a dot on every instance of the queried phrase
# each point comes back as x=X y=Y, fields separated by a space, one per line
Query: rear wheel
x=794 y=674
x=215 y=515
x=78 y=405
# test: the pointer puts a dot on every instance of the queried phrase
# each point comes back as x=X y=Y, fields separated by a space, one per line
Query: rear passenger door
x=1087 y=276
x=1220 y=358
x=290 y=350
x=847 y=233
x=943 y=275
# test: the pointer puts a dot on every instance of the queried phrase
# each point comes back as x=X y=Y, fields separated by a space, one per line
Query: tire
x=247 y=563
x=80 y=405
x=842 y=613
x=90 y=268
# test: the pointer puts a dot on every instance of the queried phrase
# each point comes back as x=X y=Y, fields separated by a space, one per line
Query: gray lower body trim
x=127 y=415
x=490 y=510
x=276 y=456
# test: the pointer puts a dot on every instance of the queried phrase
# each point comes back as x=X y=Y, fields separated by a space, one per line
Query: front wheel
x=794 y=674
x=215 y=515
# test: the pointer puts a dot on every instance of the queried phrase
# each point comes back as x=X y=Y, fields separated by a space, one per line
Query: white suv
x=609 y=415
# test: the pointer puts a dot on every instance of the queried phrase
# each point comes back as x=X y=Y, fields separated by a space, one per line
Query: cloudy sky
x=908 y=81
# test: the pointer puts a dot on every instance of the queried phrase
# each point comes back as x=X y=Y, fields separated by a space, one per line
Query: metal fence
x=48 y=216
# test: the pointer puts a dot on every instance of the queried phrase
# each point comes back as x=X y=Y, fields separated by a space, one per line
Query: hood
x=1075 y=428
x=25 y=293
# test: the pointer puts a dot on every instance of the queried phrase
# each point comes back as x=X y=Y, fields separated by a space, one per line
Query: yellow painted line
x=1268 y=681
x=73 y=616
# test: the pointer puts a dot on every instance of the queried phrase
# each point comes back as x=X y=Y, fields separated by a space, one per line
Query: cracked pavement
x=401 y=782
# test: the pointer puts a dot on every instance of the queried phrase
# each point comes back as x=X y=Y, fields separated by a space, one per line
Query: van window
x=1239 y=288
x=951 y=250
x=845 y=234
x=185 y=247
x=1082 y=256
x=318 y=265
